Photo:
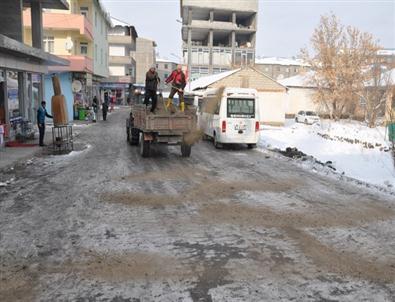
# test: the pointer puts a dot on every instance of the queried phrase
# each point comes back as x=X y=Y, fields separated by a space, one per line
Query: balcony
x=59 y=21
x=77 y=64
x=120 y=60
x=113 y=39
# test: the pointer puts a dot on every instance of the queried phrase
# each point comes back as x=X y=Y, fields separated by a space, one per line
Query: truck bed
x=162 y=122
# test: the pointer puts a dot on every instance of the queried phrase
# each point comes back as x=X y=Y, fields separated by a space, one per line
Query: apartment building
x=22 y=66
x=281 y=68
x=218 y=35
x=145 y=57
x=164 y=68
x=79 y=35
x=122 y=67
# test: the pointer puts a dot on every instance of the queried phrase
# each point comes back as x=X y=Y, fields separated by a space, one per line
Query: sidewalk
x=9 y=156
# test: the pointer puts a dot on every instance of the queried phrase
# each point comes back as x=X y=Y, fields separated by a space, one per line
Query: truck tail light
x=256 y=126
x=223 y=126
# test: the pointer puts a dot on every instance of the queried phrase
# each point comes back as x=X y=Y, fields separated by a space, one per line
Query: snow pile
x=352 y=148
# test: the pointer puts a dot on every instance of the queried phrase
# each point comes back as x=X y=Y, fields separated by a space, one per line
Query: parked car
x=307 y=117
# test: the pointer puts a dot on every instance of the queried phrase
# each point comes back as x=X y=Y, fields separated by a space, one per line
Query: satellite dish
x=76 y=86
x=69 y=44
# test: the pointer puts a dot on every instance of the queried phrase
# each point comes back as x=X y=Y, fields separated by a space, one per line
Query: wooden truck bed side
x=163 y=122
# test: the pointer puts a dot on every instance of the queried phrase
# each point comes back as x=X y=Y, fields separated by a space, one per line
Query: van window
x=241 y=108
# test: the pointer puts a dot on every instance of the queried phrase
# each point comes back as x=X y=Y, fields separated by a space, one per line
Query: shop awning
x=25 y=52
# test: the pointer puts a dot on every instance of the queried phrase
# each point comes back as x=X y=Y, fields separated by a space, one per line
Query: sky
x=284 y=27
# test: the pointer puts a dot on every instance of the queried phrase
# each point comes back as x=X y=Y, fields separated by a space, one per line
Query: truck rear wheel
x=144 y=146
x=134 y=137
x=186 y=150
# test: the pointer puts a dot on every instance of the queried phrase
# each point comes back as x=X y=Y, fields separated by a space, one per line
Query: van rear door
x=240 y=117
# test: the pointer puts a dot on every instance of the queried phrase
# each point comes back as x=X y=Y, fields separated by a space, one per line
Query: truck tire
x=144 y=146
x=186 y=150
x=134 y=136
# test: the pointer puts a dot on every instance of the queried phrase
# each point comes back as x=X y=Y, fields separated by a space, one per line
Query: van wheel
x=296 y=120
x=305 y=121
x=186 y=149
x=216 y=144
x=251 y=146
x=144 y=146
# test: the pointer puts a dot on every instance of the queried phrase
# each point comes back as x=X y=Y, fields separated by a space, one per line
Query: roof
x=203 y=82
x=387 y=78
x=280 y=61
x=18 y=49
x=300 y=80
x=118 y=22
x=160 y=60
x=386 y=52
x=52 y=4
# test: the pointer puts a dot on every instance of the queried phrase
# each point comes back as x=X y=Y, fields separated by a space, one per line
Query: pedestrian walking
x=151 y=86
x=105 y=106
x=178 y=83
x=94 y=106
x=41 y=114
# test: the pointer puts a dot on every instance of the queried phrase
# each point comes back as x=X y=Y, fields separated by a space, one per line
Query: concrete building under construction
x=218 y=35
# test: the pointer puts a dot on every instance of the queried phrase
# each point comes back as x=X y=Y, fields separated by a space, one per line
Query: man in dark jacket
x=41 y=114
x=178 y=83
x=151 y=86
x=105 y=105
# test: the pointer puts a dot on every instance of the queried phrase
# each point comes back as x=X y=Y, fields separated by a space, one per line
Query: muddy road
x=103 y=224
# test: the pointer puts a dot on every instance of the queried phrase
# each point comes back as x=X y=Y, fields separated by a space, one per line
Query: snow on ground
x=354 y=149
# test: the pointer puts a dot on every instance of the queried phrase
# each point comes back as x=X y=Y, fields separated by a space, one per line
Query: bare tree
x=376 y=92
x=339 y=60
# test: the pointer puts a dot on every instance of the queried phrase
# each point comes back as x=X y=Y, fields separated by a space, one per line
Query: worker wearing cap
x=178 y=83
x=151 y=86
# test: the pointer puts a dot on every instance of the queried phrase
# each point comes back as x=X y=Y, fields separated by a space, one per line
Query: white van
x=230 y=116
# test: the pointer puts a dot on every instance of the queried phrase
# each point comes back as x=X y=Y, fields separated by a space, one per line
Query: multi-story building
x=218 y=35
x=144 y=56
x=164 y=68
x=22 y=67
x=280 y=68
x=80 y=36
x=386 y=57
x=122 y=67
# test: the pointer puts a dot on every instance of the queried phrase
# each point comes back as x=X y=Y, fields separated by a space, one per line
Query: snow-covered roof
x=203 y=82
x=300 y=80
x=280 y=61
x=387 y=78
x=162 y=60
x=118 y=22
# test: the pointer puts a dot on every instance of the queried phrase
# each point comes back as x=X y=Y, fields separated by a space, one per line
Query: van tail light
x=223 y=126
x=256 y=126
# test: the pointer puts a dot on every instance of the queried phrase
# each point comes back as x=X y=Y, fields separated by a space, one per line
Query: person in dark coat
x=178 y=83
x=105 y=105
x=151 y=86
x=41 y=114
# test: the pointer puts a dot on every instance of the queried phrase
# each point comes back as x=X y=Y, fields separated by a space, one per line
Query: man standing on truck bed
x=178 y=83
x=151 y=86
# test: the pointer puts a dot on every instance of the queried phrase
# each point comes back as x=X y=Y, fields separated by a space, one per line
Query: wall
x=65 y=84
x=144 y=57
x=117 y=70
x=272 y=108
x=299 y=98
x=245 y=5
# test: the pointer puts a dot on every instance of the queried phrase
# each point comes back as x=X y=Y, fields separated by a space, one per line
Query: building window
x=83 y=48
x=95 y=19
x=101 y=27
x=84 y=11
x=266 y=68
x=96 y=54
x=49 y=44
x=166 y=75
x=166 y=66
x=157 y=66
x=101 y=56
x=296 y=70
